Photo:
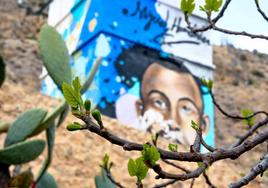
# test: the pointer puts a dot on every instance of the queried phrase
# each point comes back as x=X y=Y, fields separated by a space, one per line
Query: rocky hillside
x=241 y=81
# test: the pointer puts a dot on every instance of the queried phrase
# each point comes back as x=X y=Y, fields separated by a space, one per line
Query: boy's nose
x=173 y=125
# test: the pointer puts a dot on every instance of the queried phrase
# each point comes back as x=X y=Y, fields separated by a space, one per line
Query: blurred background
x=241 y=81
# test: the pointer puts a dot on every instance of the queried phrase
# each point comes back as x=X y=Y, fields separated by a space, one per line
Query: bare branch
x=202 y=141
x=165 y=184
x=218 y=154
x=254 y=172
x=182 y=177
x=235 y=116
x=109 y=175
x=250 y=132
x=208 y=147
x=242 y=33
x=208 y=180
x=175 y=165
x=192 y=183
x=260 y=11
x=212 y=24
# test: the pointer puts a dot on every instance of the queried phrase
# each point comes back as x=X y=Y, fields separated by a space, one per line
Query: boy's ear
x=205 y=124
x=139 y=107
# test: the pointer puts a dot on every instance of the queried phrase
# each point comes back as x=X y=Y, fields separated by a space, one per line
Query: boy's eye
x=160 y=104
x=185 y=110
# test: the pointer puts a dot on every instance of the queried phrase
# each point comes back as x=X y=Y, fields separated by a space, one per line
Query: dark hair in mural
x=133 y=62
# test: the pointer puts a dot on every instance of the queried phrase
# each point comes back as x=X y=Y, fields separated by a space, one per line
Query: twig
x=243 y=33
x=250 y=132
x=109 y=175
x=43 y=7
x=235 y=116
x=197 y=142
x=260 y=11
x=254 y=172
x=213 y=21
x=208 y=147
x=192 y=183
x=208 y=180
x=218 y=154
x=202 y=141
x=182 y=177
x=165 y=184
x=175 y=165
x=212 y=24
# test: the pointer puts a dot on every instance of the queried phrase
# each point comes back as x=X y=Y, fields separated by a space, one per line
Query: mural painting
x=149 y=77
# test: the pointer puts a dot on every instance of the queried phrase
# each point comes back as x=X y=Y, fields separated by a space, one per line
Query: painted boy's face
x=170 y=100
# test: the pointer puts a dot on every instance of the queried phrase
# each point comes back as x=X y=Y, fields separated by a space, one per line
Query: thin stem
x=260 y=11
x=235 y=116
x=165 y=184
x=208 y=180
x=250 y=132
x=109 y=175
x=175 y=165
x=192 y=183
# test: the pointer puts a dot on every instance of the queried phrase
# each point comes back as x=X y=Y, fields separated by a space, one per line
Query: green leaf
x=103 y=181
x=77 y=88
x=47 y=181
x=97 y=116
x=22 y=152
x=141 y=169
x=194 y=125
x=131 y=167
x=2 y=71
x=137 y=168
x=150 y=154
x=87 y=105
x=71 y=96
x=55 y=55
x=173 y=147
x=187 y=6
x=211 y=5
x=76 y=84
x=207 y=83
x=24 y=126
x=105 y=161
x=246 y=113
x=74 y=126
x=199 y=164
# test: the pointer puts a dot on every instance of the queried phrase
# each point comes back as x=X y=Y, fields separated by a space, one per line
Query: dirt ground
x=241 y=81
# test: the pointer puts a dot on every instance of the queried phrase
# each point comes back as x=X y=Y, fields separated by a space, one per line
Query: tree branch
x=109 y=175
x=165 y=184
x=250 y=132
x=254 y=172
x=175 y=165
x=242 y=33
x=182 y=177
x=260 y=11
x=208 y=180
x=213 y=21
x=235 y=116
x=218 y=154
x=212 y=24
